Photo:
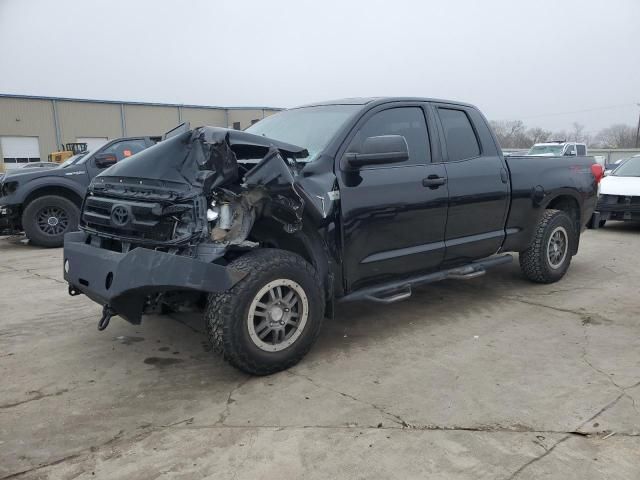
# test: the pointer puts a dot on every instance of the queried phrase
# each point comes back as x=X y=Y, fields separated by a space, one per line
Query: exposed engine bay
x=199 y=193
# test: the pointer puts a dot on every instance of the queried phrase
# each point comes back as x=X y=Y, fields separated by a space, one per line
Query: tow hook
x=73 y=291
x=107 y=313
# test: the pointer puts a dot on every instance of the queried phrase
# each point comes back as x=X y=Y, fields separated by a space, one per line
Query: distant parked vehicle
x=40 y=165
x=515 y=153
x=45 y=202
x=619 y=194
x=610 y=167
x=66 y=151
x=558 y=148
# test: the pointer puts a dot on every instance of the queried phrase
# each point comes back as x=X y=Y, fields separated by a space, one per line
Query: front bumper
x=124 y=281
x=619 y=207
x=9 y=216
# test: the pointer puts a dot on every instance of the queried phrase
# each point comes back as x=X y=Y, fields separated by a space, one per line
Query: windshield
x=74 y=160
x=630 y=168
x=546 y=149
x=309 y=127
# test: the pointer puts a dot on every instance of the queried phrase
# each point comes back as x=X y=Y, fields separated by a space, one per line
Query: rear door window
x=582 y=150
x=460 y=137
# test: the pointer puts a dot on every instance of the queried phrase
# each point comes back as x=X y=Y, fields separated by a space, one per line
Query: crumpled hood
x=612 y=185
x=205 y=156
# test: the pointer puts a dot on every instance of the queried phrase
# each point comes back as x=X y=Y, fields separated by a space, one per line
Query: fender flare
x=46 y=182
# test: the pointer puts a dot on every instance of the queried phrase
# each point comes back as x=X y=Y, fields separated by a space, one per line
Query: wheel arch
x=57 y=190
x=305 y=242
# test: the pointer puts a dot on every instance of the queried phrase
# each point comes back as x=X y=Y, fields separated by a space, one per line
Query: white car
x=620 y=194
x=610 y=167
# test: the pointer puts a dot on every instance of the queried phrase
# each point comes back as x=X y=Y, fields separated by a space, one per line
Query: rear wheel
x=549 y=255
x=270 y=319
x=602 y=223
x=47 y=219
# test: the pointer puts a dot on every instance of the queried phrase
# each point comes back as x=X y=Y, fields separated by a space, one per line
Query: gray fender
x=22 y=193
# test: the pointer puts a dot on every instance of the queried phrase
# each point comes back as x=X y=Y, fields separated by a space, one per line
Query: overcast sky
x=529 y=60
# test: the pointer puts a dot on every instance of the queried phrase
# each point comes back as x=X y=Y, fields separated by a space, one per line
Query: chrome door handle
x=434 y=181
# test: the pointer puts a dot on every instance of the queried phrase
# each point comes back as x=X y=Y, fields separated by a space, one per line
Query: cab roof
x=379 y=100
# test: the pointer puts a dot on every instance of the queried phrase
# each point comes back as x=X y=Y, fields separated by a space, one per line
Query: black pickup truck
x=45 y=202
x=359 y=199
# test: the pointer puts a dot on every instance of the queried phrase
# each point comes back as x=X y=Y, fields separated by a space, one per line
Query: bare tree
x=515 y=134
x=537 y=135
x=617 y=136
x=515 y=127
x=511 y=134
x=577 y=134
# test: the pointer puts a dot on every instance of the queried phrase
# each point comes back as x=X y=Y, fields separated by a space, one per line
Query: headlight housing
x=8 y=187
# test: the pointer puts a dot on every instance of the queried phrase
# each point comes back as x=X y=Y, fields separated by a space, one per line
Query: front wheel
x=549 y=255
x=45 y=220
x=270 y=319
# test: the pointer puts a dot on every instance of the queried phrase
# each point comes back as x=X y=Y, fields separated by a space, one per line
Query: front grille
x=126 y=218
x=618 y=203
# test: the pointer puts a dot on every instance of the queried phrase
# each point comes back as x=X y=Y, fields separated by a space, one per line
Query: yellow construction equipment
x=67 y=150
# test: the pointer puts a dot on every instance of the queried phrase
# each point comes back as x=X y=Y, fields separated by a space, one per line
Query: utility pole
x=638 y=129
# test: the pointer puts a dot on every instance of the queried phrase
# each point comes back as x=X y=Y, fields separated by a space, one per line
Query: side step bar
x=401 y=289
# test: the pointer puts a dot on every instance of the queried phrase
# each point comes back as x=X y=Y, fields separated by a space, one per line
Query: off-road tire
x=534 y=261
x=226 y=313
x=30 y=220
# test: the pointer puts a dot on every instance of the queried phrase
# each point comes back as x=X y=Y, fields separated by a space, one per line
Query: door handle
x=433 y=181
x=503 y=175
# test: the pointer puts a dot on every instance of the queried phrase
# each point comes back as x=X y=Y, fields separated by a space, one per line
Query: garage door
x=17 y=151
x=93 y=143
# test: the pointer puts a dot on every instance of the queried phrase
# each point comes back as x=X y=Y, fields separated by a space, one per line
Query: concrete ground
x=490 y=378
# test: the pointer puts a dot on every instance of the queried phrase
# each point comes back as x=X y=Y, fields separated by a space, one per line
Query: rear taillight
x=597 y=171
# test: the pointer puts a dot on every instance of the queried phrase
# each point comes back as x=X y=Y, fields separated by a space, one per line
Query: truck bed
x=536 y=182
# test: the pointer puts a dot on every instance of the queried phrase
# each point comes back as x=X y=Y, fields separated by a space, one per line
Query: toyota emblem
x=120 y=215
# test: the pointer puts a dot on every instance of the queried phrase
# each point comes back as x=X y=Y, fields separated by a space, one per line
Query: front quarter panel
x=76 y=182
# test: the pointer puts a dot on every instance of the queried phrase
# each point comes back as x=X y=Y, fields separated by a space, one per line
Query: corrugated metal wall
x=149 y=119
x=33 y=118
x=36 y=117
x=84 y=119
x=198 y=117
x=244 y=117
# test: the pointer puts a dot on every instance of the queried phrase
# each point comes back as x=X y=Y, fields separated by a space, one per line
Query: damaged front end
x=164 y=222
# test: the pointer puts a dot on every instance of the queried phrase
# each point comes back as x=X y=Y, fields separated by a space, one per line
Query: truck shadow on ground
x=361 y=324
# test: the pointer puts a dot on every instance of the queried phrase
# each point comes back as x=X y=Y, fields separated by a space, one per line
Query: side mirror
x=105 y=160
x=570 y=153
x=378 y=151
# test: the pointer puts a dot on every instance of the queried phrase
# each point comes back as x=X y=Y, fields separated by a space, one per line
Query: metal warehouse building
x=32 y=127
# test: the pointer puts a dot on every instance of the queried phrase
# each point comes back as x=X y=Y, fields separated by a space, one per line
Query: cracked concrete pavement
x=490 y=378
